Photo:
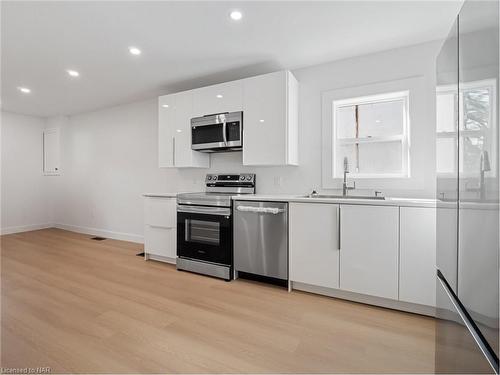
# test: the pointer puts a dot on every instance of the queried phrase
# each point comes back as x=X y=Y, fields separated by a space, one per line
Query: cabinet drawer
x=160 y=212
x=160 y=241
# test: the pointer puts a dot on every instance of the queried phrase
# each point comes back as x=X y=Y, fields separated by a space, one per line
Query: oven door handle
x=223 y=211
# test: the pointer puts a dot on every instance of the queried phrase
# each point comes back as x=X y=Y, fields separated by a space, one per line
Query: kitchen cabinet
x=224 y=97
x=314 y=246
x=270 y=118
x=369 y=250
x=417 y=269
x=174 y=133
x=160 y=228
x=51 y=152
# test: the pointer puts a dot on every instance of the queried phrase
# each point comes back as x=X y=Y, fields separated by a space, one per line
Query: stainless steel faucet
x=345 y=187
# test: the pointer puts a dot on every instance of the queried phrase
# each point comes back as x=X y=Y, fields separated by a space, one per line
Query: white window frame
x=403 y=138
x=464 y=86
x=422 y=132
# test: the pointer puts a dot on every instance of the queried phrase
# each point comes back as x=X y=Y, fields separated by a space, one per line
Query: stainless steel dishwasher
x=261 y=238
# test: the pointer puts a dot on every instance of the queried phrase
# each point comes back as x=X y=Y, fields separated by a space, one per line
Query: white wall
x=415 y=61
x=24 y=189
x=109 y=157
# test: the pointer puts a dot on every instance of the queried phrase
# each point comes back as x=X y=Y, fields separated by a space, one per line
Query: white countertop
x=403 y=202
x=160 y=195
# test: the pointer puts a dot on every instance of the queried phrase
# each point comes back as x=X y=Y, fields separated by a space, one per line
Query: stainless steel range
x=205 y=225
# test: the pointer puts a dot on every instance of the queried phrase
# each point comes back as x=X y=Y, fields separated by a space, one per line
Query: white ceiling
x=187 y=44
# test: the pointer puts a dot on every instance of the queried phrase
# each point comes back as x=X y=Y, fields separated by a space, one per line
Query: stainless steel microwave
x=218 y=132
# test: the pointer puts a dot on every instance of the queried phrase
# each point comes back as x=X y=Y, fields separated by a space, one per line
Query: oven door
x=205 y=233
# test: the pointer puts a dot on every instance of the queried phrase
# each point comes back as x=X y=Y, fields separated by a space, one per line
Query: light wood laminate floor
x=78 y=305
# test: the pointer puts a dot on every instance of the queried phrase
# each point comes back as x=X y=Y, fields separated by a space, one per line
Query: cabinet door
x=160 y=241
x=174 y=133
x=166 y=119
x=183 y=154
x=369 y=250
x=225 y=97
x=265 y=119
x=314 y=246
x=417 y=269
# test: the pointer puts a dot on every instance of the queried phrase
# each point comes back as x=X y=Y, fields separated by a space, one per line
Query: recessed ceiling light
x=24 y=90
x=261 y=120
x=134 y=51
x=72 y=73
x=179 y=131
x=164 y=105
x=236 y=15
x=219 y=96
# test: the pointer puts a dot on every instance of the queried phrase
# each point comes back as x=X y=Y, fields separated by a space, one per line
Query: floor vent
x=98 y=238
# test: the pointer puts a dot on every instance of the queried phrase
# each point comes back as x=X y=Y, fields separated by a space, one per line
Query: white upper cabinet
x=224 y=97
x=369 y=250
x=51 y=152
x=270 y=119
x=314 y=245
x=417 y=273
x=166 y=121
x=174 y=132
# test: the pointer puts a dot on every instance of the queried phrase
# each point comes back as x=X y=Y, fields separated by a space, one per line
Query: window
x=477 y=126
x=372 y=132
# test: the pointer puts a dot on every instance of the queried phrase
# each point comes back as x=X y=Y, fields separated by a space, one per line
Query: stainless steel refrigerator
x=467 y=219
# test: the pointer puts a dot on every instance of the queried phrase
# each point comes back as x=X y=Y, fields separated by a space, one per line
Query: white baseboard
x=159 y=258
x=370 y=300
x=102 y=233
x=25 y=228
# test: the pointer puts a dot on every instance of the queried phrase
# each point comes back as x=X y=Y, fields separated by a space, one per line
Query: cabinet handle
x=338 y=224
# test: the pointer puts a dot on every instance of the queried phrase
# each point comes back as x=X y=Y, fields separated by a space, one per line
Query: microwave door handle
x=224 y=132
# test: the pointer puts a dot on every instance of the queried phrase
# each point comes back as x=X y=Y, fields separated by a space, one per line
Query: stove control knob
x=249 y=178
x=209 y=178
x=215 y=178
x=242 y=178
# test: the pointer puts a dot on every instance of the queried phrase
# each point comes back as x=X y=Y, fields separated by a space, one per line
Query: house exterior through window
x=372 y=132
x=475 y=108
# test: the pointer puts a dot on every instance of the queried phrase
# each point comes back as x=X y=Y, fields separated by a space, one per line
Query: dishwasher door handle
x=260 y=210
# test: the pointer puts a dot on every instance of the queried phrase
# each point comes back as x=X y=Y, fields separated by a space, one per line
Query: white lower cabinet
x=314 y=250
x=160 y=241
x=160 y=228
x=417 y=269
x=369 y=250
x=360 y=252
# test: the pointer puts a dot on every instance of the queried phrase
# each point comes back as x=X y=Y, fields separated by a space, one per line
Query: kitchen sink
x=331 y=196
